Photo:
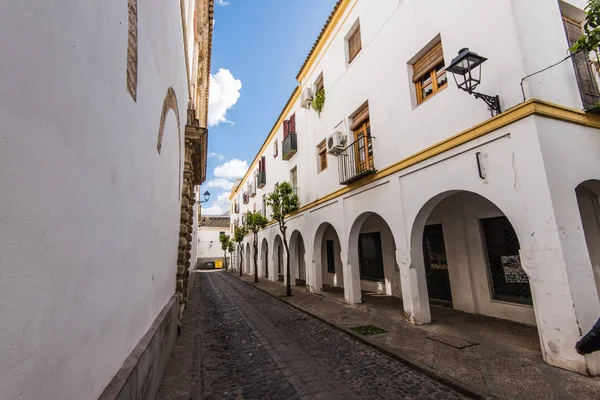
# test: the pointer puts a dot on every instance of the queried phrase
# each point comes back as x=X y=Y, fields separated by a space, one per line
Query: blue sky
x=258 y=48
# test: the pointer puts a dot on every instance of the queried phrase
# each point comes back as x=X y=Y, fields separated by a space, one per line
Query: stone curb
x=458 y=386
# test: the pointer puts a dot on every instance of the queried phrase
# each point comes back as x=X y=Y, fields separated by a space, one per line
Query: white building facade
x=423 y=195
x=209 y=246
x=103 y=132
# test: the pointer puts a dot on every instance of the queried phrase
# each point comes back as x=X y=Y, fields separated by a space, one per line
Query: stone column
x=352 y=292
x=414 y=288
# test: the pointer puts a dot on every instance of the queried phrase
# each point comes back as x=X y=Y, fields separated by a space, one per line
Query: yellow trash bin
x=218 y=264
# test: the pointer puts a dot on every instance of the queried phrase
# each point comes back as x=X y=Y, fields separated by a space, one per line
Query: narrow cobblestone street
x=254 y=346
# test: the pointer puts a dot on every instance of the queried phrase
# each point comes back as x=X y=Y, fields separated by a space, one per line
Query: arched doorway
x=467 y=253
x=278 y=258
x=371 y=255
x=297 y=259
x=265 y=258
x=248 y=259
x=327 y=259
x=588 y=200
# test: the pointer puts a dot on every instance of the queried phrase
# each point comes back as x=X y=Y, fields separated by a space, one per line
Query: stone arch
x=297 y=259
x=264 y=251
x=327 y=257
x=371 y=256
x=588 y=202
x=465 y=251
x=170 y=104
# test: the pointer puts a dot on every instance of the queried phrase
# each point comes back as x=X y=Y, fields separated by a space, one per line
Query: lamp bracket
x=493 y=102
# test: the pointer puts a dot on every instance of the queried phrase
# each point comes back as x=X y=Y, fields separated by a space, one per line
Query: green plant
x=319 y=101
x=590 y=40
x=225 y=244
x=231 y=249
x=282 y=202
x=238 y=236
x=255 y=221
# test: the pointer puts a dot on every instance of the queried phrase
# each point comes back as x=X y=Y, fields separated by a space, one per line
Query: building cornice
x=517 y=113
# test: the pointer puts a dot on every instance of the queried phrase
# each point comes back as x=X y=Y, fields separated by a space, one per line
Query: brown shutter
x=293 y=123
x=285 y=128
x=586 y=81
x=360 y=119
x=259 y=165
x=354 y=44
x=264 y=166
x=432 y=58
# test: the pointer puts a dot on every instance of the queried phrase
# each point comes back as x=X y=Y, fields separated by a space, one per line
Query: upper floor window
x=588 y=87
x=354 y=43
x=275 y=148
x=322 y=155
x=319 y=83
x=289 y=125
x=429 y=74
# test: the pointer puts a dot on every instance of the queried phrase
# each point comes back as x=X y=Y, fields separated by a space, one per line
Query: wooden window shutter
x=586 y=81
x=264 y=166
x=293 y=123
x=432 y=58
x=285 y=128
x=354 y=44
x=259 y=165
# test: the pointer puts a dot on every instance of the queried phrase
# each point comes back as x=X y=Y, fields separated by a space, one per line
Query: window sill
x=431 y=96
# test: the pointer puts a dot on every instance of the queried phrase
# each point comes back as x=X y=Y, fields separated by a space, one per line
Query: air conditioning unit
x=306 y=98
x=336 y=143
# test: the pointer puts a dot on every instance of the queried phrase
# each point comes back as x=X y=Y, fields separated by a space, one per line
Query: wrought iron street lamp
x=206 y=197
x=466 y=70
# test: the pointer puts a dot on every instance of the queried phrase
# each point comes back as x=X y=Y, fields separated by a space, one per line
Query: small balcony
x=261 y=179
x=289 y=146
x=252 y=190
x=356 y=160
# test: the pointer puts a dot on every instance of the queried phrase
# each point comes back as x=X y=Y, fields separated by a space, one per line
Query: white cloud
x=224 y=93
x=220 y=183
x=218 y=156
x=218 y=206
x=222 y=2
x=231 y=169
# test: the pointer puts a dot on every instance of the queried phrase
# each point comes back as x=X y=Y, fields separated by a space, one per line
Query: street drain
x=368 y=330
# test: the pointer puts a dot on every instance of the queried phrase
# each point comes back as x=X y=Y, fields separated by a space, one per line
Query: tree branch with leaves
x=255 y=222
x=225 y=240
x=283 y=201
x=238 y=236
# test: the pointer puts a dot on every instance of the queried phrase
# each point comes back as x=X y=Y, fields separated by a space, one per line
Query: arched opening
x=372 y=257
x=278 y=258
x=265 y=258
x=467 y=253
x=248 y=263
x=588 y=200
x=327 y=259
x=297 y=259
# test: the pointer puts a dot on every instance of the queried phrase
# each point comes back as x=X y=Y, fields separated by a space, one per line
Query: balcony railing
x=289 y=146
x=356 y=160
x=261 y=179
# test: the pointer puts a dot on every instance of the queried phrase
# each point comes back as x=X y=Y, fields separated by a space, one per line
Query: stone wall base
x=140 y=375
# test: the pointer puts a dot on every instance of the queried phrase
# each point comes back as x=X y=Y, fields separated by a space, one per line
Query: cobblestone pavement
x=256 y=347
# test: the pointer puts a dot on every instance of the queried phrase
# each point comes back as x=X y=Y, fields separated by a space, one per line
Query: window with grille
x=354 y=44
x=588 y=87
x=322 y=155
x=508 y=280
x=330 y=257
x=429 y=74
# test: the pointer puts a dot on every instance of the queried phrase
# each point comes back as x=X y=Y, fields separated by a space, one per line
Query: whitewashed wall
x=208 y=242
x=89 y=211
